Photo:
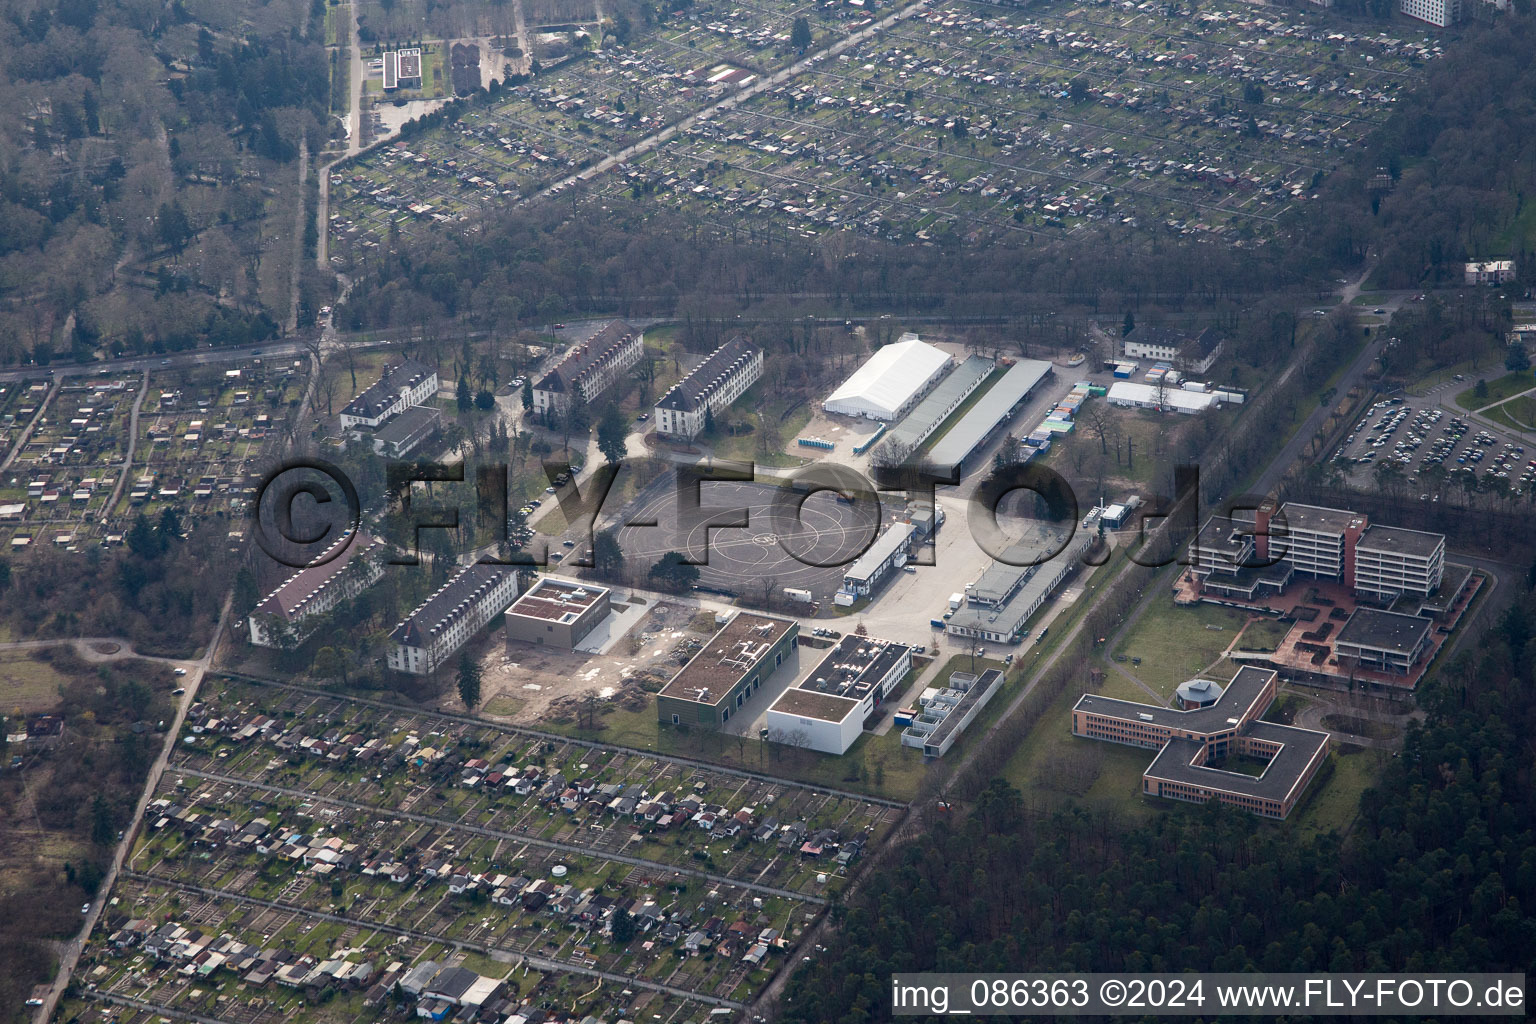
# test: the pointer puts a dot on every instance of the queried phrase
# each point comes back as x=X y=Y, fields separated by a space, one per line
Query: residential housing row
x=391 y=413
x=588 y=369
x=709 y=388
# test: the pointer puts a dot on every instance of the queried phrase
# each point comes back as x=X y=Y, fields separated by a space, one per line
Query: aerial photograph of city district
x=766 y=511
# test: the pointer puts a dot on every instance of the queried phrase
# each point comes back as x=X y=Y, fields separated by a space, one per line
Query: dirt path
x=133 y=443
x=69 y=956
x=26 y=435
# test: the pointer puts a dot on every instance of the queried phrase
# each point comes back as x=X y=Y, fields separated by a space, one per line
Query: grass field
x=878 y=765
x=1263 y=635
x=503 y=705
x=1333 y=805
x=1175 y=644
x=1055 y=769
x=1518 y=412
x=1504 y=387
x=31 y=686
x=785 y=418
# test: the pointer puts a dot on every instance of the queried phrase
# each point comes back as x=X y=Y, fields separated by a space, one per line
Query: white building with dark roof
x=1192 y=353
x=402 y=386
x=429 y=636
x=287 y=614
x=589 y=369
x=723 y=376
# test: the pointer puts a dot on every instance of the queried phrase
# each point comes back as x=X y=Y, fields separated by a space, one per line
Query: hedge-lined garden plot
x=58 y=485
x=202 y=432
x=347 y=831
x=963 y=120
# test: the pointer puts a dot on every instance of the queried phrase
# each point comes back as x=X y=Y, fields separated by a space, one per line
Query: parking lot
x=1429 y=447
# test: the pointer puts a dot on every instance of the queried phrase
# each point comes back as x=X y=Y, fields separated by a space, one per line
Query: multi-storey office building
x=1193 y=744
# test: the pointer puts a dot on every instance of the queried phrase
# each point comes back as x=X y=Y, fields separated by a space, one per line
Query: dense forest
x=1460 y=163
x=1439 y=872
x=145 y=149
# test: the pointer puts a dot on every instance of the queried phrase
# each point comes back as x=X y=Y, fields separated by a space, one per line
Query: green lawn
x=1507 y=386
x=1334 y=805
x=784 y=420
x=1519 y=413
x=1174 y=643
x=878 y=765
x=1056 y=769
x=1263 y=635
x=30 y=685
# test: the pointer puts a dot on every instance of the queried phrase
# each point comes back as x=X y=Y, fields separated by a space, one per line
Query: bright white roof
x=888 y=379
x=879 y=552
x=1177 y=398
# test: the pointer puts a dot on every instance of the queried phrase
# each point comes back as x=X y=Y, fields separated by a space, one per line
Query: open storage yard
x=959 y=117
x=286 y=812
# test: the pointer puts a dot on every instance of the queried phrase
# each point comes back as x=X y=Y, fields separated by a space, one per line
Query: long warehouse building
x=989 y=414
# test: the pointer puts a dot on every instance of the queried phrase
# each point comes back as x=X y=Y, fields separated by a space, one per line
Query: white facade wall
x=1387 y=573
x=1440 y=13
x=690 y=423
x=426 y=660
x=826 y=737
x=406 y=399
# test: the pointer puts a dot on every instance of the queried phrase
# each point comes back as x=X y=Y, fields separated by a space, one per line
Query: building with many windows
x=407 y=432
x=1383 y=563
x=709 y=388
x=429 y=636
x=1440 y=13
x=1390 y=562
x=1194 y=745
x=829 y=707
x=589 y=369
x=727 y=671
x=286 y=616
x=1383 y=641
x=1192 y=353
x=1488 y=271
x=403 y=385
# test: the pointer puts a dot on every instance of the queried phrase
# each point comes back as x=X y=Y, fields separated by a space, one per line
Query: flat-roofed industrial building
x=727 y=671
x=829 y=707
x=557 y=612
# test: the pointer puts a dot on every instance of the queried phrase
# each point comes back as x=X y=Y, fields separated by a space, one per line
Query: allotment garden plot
x=59 y=482
x=974 y=119
x=324 y=809
x=201 y=435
